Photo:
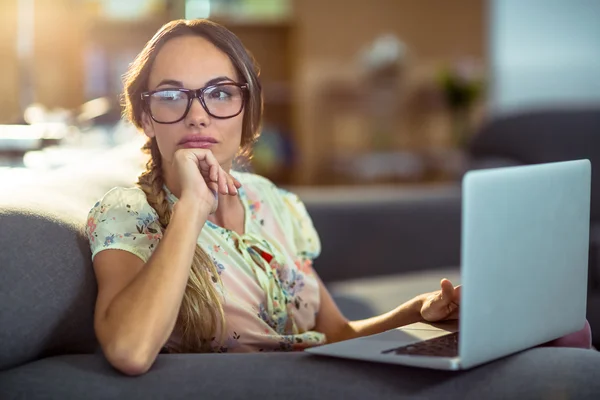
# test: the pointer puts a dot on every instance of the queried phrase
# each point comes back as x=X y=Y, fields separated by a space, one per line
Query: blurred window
x=238 y=9
x=129 y=10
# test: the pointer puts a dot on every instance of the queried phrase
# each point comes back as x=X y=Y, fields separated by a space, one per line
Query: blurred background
x=385 y=92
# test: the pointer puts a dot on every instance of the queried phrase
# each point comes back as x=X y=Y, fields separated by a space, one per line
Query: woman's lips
x=199 y=144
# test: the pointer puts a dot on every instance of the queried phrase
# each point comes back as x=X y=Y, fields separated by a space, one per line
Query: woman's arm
x=437 y=305
x=138 y=304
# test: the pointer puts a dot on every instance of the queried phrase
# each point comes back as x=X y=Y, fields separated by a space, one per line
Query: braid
x=151 y=181
x=201 y=309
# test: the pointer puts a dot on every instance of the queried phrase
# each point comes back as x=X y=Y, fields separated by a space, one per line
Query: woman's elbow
x=130 y=360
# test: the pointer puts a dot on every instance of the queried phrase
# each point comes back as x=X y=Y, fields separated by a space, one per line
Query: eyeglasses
x=169 y=106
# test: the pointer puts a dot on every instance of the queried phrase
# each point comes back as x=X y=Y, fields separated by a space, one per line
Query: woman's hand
x=201 y=177
x=442 y=304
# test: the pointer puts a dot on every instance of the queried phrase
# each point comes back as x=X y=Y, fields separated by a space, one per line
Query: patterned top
x=269 y=291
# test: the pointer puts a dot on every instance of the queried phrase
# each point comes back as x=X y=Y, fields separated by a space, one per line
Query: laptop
x=524 y=269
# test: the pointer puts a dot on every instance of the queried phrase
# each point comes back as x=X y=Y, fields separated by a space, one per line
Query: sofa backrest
x=47 y=285
x=373 y=234
x=545 y=136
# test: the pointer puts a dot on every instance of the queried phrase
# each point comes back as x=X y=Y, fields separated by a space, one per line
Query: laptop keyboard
x=442 y=346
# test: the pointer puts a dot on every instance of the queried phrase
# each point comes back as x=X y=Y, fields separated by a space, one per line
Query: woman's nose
x=197 y=115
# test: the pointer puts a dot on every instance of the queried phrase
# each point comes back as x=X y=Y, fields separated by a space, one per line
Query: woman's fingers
x=457 y=291
x=454 y=311
x=216 y=172
x=447 y=290
x=207 y=164
x=223 y=189
x=213 y=173
x=226 y=184
x=231 y=185
x=443 y=304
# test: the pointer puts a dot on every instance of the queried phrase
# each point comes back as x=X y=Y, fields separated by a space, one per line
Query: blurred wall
x=58 y=73
x=329 y=35
x=270 y=44
x=51 y=70
x=9 y=62
x=433 y=29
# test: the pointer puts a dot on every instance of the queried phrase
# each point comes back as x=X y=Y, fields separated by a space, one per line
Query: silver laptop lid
x=525 y=239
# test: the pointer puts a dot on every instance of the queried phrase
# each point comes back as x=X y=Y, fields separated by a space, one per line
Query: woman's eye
x=219 y=94
x=169 y=96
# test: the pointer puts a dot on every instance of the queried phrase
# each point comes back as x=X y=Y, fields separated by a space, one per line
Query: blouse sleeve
x=306 y=238
x=124 y=220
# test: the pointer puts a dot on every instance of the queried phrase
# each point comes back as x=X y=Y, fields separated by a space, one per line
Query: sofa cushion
x=47 y=290
x=538 y=373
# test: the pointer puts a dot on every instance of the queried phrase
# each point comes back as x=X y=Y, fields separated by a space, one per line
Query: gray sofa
x=47 y=294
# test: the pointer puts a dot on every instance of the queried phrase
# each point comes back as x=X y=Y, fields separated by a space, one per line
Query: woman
x=200 y=258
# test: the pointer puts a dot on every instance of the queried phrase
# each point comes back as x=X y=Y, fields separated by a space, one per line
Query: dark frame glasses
x=196 y=94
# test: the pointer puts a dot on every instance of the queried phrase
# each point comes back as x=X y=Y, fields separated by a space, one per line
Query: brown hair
x=201 y=310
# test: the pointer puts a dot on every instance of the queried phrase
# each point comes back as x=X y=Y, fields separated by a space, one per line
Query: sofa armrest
x=48 y=289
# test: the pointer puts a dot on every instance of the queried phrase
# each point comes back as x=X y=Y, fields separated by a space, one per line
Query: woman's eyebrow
x=179 y=84
x=170 y=82
x=218 y=80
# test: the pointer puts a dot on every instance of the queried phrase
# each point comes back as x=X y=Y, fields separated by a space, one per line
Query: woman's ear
x=147 y=125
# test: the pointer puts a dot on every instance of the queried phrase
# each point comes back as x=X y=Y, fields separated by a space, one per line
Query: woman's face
x=192 y=62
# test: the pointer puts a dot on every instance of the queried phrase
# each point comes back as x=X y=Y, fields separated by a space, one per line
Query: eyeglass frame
x=195 y=94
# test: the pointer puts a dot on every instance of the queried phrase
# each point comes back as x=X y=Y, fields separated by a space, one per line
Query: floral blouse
x=269 y=291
